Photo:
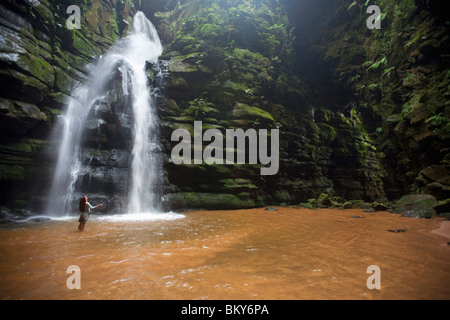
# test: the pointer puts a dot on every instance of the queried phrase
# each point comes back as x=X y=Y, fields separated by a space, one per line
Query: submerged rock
x=396 y=230
x=39 y=219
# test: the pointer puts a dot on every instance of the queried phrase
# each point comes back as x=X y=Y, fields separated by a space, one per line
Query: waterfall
x=143 y=46
x=128 y=58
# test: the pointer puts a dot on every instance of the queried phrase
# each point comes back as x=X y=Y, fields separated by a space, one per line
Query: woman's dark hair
x=83 y=201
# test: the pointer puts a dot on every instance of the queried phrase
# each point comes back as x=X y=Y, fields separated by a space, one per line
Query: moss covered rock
x=208 y=201
x=416 y=206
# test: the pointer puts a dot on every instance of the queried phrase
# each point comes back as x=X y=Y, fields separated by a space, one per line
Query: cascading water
x=128 y=58
x=143 y=46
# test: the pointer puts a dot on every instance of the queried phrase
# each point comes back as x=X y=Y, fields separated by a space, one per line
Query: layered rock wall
x=361 y=113
x=41 y=62
x=231 y=66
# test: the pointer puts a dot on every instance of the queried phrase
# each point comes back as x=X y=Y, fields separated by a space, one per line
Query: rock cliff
x=41 y=62
x=231 y=65
x=362 y=114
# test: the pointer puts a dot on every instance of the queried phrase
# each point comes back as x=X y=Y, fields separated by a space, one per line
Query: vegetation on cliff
x=231 y=65
x=396 y=78
x=362 y=114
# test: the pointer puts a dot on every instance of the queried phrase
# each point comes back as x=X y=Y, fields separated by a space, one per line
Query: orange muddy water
x=245 y=254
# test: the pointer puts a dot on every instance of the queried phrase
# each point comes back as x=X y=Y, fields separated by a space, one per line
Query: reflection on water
x=248 y=254
x=149 y=216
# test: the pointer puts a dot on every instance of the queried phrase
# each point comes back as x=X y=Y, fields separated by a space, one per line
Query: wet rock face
x=41 y=61
x=109 y=123
x=107 y=142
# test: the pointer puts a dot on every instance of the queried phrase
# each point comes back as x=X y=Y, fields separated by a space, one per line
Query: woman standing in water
x=85 y=208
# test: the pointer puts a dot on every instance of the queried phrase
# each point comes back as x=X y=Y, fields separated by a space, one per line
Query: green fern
x=387 y=71
x=376 y=64
x=436 y=120
x=351 y=5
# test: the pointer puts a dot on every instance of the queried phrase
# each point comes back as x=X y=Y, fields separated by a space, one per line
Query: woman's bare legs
x=81 y=226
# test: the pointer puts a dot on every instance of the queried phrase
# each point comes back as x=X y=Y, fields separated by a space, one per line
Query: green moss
x=83 y=45
x=347 y=205
x=249 y=56
x=209 y=30
x=212 y=201
x=244 y=195
x=211 y=120
x=200 y=109
x=234 y=85
x=115 y=27
x=238 y=185
x=62 y=80
x=180 y=65
x=179 y=82
x=327 y=132
x=38 y=67
x=306 y=205
x=207 y=126
x=411 y=105
x=182 y=119
x=163 y=15
x=187 y=126
x=324 y=200
x=281 y=195
x=184 y=41
x=416 y=205
x=245 y=111
x=12 y=172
